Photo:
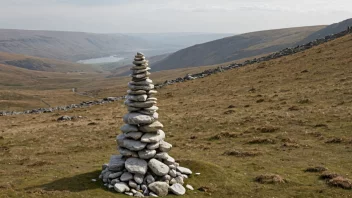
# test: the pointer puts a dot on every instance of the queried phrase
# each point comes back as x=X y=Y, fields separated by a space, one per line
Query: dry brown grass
x=40 y=157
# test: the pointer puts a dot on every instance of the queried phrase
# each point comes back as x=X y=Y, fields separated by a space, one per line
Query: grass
x=40 y=157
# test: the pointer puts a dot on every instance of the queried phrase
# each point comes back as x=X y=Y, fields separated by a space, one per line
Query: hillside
x=42 y=64
x=285 y=116
x=328 y=30
x=235 y=47
x=71 y=46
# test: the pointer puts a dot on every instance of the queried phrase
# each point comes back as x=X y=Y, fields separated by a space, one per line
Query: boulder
x=159 y=188
x=158 y=167
x=136 y=166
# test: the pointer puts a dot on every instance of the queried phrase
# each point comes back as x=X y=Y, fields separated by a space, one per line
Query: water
x=108 y=59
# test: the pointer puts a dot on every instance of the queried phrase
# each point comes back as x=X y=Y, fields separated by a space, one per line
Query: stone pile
x=144 y=167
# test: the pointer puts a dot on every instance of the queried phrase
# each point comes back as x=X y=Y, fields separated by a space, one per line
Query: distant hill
x=42 y=64
x=71 y=46
x=235 y=47
x=328 y=30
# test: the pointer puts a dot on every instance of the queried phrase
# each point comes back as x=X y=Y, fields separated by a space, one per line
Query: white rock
x=179 y=179
x=152 y=99
x=178 y=189
x=153 y=137
x=189 y=187
x=129 y=193
x=138 y=178
x=146 y=154
x=153 y=194
x=126 y=176
x=172 y=166
x=133 y=145
x=121 y=187
x=197 y=174
x=134 y=135
x=165 y=146
x=184 y=176
x=166 y=178
x=136 y=166
x=137 y=118
x=153 y=146
x=94 y=180
x=150 y=179
x=127 y=128
x=145 y=104
x=162 y=156
x=132 y=184
x=173 y=181
x=158 y=167
x=159 y=188
x=151 y=128
x=151 y=92
x=126 y=152
x=172 y=173
x=184 y=170
x=117 y=163
x=137 y=98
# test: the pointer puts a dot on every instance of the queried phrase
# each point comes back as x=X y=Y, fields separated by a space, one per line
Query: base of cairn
x=144 y=167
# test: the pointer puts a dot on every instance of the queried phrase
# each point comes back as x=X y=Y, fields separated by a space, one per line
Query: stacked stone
x=144 y=167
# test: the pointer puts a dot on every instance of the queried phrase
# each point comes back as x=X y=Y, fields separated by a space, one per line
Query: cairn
x=144 y=167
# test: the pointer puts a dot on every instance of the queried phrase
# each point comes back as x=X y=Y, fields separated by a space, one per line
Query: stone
x=184 y=170
x=141 y=87
x=136 y=166
x=137 y=118
x=138 y=178
x=151 y=128
x=138 y=194
x=153 y=194
x=152 y=99
x=162 y=156
x=165 y=146
x=177 y=189
x=138 y=92
x=169 y=160
x=141 y=70
x=152 y=137
x=150 y=179
x=127 y=128
x=145 y=104
x=179 y=180
x=140 y=67
x=126 y=176
x=115 y=175
x=121 y=187
x=184 y=176
x=173 y=181
x=134 y=135
x=151 y=92
x=137 y=98
x=146 y=154
x=166 y=178
x=172 y=173
x=127 y=153
x=132 y=145
x=132 y=184
x=114 y=181
x=158 y=167
x=116 y=163
x=172 y=166
x=159 y=188
x=140 y=62
x=144 y=82
x=129 y=193
x=133 y=109
x=153 y=146
x=104 y=166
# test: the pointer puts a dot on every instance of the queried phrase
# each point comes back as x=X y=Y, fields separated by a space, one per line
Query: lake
x=108 y=59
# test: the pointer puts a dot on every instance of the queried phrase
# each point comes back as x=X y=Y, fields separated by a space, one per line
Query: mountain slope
x=235 y=47
x=42 y=64
x=277 y=117
x=328 y=30
x=72 y=46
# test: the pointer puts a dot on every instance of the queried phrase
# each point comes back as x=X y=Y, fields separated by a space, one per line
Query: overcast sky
x=114 y=16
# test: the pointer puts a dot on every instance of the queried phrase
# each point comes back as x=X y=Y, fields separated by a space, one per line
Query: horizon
x=157 y=16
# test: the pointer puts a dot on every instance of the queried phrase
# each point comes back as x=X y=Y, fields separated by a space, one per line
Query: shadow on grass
x=76 y=183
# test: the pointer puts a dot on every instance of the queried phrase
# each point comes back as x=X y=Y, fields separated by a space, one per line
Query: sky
x=155 y=16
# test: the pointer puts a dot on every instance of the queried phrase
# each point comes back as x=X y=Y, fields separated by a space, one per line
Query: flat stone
x=162 y=156
x=159 y=188
x=126 y=176
x=134 y=135
x=177 y=189
x=115 y=175
x=146 y=154
x=140 y=62
x=141 y=70
x=133 y=109
x=136 y=166
x=140 y=67
x=158 y=167
x=153 y=146
x=121 y=187
x=144 y=82
x=142 y=75
x=145 y=104
x=127 y=153
x=127 y=128
x=133 y=145
x=184 y=170
x=152 y=137
x=137 y=98
x=137 y=118
x=165 y=146
x=139 y=178
x=117 y=163
x=138 y=92
x=151 y=92
x=151 y=128
x=152 y=99
x=169 y=160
